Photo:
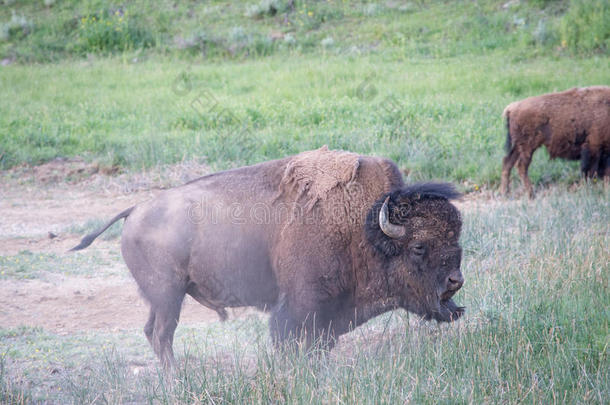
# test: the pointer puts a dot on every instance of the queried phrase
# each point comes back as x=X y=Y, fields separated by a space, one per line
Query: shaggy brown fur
x=573 y=124
x=298 y=236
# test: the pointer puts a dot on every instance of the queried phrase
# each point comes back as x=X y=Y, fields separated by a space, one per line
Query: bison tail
x=509 y=144
x=87 y=240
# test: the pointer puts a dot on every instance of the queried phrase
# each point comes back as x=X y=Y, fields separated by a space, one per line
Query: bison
x=324 y=240
x=573 y=124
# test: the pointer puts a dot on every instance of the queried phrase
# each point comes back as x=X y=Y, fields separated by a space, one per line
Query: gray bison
x=325 y=240
x=573 y=124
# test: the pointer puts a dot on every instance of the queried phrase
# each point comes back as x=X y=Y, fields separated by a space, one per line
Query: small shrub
x=585 y=27
x=540 y=3
x=262 y=46
x=240 y=42
x=290 y=40
x=239 y=37
x=16 y=28
x=111 y=32
x=264 y=8
x=312 y=15
x=327 y=42
x=371 y=9
x=204 y=43
x=544 y=33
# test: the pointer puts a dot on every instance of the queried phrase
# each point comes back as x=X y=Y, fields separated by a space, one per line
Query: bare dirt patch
x=49 y=198
x=70 y=304
x=38 y=206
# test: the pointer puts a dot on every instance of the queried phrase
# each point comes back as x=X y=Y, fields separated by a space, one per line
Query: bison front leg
x=291 y=329
x=604 y=168
x=308 y=275
x=283 y=325
x=591 y=163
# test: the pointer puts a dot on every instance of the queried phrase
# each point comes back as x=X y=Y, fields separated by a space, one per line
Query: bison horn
x=393 y=231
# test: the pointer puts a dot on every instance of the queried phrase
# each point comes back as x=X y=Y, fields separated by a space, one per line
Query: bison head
x=415 y=231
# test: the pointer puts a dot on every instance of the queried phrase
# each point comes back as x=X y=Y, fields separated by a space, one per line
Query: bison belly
x=220 y=263
x=230 y=264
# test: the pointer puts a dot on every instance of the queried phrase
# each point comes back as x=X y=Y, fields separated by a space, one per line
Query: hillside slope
x=50 y=30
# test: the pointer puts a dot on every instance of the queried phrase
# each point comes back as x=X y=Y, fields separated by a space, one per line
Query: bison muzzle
x=325 y=240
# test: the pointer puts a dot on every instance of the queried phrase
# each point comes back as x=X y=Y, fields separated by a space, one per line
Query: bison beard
x=325 y=239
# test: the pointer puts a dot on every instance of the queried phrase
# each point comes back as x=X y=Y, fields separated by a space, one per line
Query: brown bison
x=573 y=124
x=325 y=240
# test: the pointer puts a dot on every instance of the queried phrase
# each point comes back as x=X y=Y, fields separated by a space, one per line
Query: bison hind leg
x=161 y=325
x=507 y=165
x=149 y=327
x=522 y=166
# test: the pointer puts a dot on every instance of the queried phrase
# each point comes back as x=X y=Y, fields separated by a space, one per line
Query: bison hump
x=313 y=174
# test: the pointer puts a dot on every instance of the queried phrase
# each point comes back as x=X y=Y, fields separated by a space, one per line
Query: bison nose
x=455 y=281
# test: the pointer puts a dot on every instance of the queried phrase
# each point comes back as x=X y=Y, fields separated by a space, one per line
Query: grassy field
x=135 y=87
x=423 y=83
x=437 y=118
x=536 y=331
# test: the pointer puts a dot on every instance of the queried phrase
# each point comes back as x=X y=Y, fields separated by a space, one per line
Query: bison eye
x=418 y=249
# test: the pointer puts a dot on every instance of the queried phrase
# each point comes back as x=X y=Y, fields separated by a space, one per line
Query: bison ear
x=388 y=247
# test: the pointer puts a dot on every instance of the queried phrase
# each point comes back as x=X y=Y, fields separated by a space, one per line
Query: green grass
x=436 y=118
x=33 y=265
x=423 y=83
x=536 y=331
x=114 y=232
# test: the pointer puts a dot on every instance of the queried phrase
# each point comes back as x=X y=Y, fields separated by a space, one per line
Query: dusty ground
x=35 y=202
x=52 y=198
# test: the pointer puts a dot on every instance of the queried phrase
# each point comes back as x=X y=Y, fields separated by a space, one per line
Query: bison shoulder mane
x=310 y=176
